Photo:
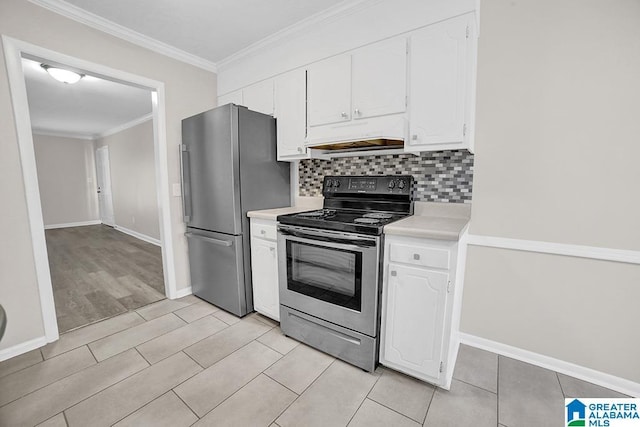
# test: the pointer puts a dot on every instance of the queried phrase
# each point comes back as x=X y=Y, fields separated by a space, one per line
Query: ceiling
x=91 y=107
x=210 y=30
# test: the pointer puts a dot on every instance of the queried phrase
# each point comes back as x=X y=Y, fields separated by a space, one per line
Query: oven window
x=327 y=274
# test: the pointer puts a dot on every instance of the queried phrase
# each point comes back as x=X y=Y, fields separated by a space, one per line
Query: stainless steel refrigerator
x=229 y=167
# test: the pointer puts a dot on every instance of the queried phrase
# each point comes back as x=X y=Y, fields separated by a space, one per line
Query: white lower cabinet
x=417 y=302
x=264 y=268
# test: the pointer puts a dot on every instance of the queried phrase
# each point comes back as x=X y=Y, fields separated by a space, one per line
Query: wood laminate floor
x=98 y=272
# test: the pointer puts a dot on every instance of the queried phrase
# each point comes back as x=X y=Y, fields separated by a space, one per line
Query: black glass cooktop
x=353 y=221
x=358 y=204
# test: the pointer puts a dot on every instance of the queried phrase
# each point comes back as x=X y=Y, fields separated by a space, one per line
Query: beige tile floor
x=184 y=362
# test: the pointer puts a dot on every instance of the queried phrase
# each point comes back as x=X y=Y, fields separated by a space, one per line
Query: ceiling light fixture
x=62 y=75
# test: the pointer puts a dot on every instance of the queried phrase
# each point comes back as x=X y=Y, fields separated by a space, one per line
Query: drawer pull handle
x=394 y=273
x=416 y=256
x=263 y=232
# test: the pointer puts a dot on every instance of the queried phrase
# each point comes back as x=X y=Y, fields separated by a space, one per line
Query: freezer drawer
x=217 y=269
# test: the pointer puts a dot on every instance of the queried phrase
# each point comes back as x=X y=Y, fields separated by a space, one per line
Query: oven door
x=330 y=275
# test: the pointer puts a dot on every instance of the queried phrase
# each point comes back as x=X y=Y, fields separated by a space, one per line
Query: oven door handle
x=344 y=241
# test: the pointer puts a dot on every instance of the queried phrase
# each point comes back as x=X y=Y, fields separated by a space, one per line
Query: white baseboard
x=586 y=374
x=73 y=224
x=22 y=348
x=137 y=235
x=181 y=293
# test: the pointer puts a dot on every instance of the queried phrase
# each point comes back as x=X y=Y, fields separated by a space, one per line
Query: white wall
x=66 y=177
x=557 y=161
x=188 y=90
x=133 y=179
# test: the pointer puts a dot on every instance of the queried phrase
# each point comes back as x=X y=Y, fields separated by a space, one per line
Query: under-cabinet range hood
x=358 y=148
x=376 y=135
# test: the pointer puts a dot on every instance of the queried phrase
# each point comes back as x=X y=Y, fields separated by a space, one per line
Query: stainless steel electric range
x=330 y=265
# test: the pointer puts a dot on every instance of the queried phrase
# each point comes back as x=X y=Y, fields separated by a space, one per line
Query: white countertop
x=302 y=204
x=442 y=221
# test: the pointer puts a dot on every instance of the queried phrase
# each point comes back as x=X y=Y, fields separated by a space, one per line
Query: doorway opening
x=15 y=51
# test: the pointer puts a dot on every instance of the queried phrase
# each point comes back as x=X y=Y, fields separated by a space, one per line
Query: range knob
x=336 y=183
x=329 y=183
x=392 y=184
x=401 y=184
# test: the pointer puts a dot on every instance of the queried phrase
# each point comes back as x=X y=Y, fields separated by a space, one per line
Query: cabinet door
x=231 y=97
x=438 y=88
x=379 y=80
x=264 y=272
x=290 y=113
x=259 y=97
x=329 y=96
x=414 y=320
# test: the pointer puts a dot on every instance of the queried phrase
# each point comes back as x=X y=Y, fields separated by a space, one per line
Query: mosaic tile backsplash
x=443 y=176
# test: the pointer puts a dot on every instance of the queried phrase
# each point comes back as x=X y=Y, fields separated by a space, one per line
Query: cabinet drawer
x=419 y=255
x=263 y=229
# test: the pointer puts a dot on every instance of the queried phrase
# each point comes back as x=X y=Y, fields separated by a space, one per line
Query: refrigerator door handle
x=210 y=239
x=185 y=173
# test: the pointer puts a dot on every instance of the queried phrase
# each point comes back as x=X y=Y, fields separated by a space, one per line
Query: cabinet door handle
x=416 y=256
x=299 y=149
x=272 y=249
x=263 y=232
x=357 y=111
x=343 y=115
x=394 y=273
x=414 y=137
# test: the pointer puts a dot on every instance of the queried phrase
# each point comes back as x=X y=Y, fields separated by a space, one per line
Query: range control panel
x=376 y=184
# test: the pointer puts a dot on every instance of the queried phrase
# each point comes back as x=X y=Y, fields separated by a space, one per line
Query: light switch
x=177 y=190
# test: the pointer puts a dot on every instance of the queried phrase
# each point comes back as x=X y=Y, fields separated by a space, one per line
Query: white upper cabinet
x=358 y=96
x=234 y=97
x=418 y=87
x=379 y=79
x=290 y=113
x=259 y=97
x=329 y=91
x=439 y=74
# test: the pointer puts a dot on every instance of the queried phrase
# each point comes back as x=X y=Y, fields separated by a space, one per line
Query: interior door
x=103 y=178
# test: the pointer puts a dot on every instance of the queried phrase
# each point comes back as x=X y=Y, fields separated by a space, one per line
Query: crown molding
x=124 y=126
x=337 y=11
x=92 y=137
x=63 y=134
x=94 y=21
